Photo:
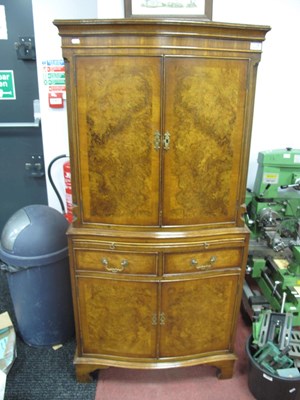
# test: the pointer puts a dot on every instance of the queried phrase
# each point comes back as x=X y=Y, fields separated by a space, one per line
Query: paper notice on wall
x=54 y=75
x=54 y=79
x=3 y=26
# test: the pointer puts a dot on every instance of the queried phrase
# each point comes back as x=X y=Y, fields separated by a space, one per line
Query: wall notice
x=7 y=85
x=54 y=75
x=54 y=78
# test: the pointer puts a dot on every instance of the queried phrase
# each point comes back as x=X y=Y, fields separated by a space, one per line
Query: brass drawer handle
x=111 y=268
x=203 y=267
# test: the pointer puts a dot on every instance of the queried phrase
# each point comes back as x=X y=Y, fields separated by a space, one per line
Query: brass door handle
x=111 y=268
x=161 y=317
x=167 y=140
x=157 y=140
x=203 y=267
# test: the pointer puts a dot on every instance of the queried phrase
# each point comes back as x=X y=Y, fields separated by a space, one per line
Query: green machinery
x=273 y=217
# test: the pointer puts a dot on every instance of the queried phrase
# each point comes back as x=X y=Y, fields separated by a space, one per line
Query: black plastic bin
x=35 y=254
x=267 y=386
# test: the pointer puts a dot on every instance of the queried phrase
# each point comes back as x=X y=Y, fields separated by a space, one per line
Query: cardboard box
x=8 y=351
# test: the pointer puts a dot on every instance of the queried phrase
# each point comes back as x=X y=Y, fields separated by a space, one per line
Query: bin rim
x=32 y=261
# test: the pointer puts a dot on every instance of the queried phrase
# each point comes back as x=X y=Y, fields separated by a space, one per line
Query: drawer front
x=116 y=262
x=191 y=262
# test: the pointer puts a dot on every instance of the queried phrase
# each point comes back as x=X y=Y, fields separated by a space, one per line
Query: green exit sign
x=7 y=85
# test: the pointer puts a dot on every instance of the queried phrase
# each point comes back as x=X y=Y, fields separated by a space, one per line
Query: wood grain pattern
x=136 y=263
x=197 y=315
x=121 y=168
x=117 y=317
x=118 y=114
x=182 y=263
x=205 y=102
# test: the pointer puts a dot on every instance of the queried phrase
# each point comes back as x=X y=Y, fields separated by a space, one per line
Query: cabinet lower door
x=198 y=315
x=116 y=317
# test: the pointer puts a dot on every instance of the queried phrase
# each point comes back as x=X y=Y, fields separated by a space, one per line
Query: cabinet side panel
x=118 y=113
x=205 y=116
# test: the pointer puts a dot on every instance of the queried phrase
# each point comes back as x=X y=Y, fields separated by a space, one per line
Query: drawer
x=116 y=262
x=202 y=261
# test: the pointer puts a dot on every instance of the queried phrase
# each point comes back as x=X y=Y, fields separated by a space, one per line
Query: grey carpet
x=42 y=373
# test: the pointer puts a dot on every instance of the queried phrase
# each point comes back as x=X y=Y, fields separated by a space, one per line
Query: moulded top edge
x=88 y=26
x=156 y=21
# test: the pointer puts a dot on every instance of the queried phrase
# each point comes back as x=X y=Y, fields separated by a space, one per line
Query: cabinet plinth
x=160 y=116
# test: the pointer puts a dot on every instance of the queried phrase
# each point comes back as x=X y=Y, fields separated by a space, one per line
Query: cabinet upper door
x=205 y=117
x=160 y=139
x=118 y=112
x=184 y=86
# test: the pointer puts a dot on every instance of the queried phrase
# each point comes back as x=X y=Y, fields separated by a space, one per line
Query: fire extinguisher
x=67 y=211
x=68 y=190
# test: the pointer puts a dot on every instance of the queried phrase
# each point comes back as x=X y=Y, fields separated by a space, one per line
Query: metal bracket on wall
x=25 y=48
x=35 y=167
x=35 y=124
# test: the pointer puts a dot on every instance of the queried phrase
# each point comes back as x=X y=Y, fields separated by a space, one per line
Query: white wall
x=111 y=9
x=48 y=47
x=276 y=121
x=276 y=116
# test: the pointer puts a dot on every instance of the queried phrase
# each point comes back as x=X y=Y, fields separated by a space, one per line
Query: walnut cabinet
x=160 y=115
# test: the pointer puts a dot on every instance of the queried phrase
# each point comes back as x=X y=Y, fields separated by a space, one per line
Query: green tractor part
x=275 y=280
x=273 y=217
x=271 y=358
x=274 y=203
x=294 y=267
